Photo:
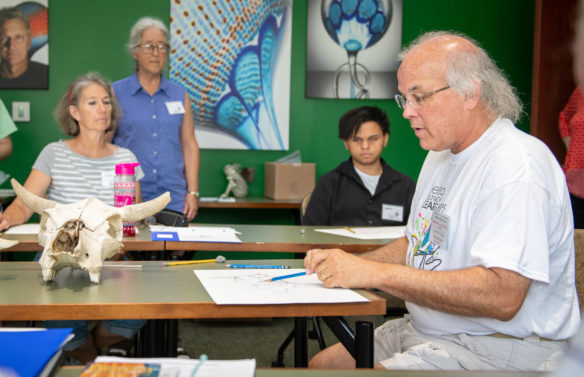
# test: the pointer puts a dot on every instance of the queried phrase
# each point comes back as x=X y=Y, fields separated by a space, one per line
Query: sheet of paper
x=217 y=199
x=239 y=287
x=368 y=233
x=195 y=233
x=24 y=229
x=170 y=367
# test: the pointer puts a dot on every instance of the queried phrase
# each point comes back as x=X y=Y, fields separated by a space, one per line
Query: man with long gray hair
x=486 y=265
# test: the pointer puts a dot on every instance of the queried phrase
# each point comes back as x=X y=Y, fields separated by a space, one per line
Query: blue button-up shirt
x=149 y=130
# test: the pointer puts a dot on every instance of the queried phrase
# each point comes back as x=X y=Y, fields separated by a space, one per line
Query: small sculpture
x=236 y=180
x=83 y=234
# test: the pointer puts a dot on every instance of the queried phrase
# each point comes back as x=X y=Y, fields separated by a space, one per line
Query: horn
x=141 y=211
x=32 y=201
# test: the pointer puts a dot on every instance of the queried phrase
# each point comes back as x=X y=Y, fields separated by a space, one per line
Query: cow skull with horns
x=82 y=234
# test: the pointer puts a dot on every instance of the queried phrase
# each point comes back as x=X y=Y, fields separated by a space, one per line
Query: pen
x=350 y=230
x=287 y=276
x=254 y=266
x=168 y=264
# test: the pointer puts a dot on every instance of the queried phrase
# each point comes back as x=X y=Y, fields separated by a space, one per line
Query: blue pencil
x=254 y=266
x=287 y=276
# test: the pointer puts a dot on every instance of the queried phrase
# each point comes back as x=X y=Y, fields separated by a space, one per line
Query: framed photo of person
x=24 y=44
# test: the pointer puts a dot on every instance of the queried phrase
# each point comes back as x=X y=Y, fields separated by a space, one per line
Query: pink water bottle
x=125 y=191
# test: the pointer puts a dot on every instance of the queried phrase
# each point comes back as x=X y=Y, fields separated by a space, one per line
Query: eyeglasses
x=414 y=99
x=149 y=48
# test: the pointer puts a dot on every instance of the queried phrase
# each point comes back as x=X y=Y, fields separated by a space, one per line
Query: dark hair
x=351 y=121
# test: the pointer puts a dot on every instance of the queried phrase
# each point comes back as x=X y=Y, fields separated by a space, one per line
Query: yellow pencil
x=350 y=230
x=168 y=264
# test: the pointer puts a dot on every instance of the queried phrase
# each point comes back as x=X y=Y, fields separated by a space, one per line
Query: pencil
x=287 y=276
x=254 y=266
x=168 y=264
x=350 y=230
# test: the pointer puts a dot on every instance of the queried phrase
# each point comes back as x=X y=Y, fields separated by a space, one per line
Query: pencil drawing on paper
x=237 y=287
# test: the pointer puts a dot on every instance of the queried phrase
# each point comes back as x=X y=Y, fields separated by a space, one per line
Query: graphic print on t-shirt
x=424 y=254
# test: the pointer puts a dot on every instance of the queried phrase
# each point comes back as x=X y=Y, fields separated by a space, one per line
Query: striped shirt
x=75 y=177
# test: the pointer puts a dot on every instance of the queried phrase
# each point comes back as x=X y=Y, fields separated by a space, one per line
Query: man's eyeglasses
x=415 y=100
x=149 y=48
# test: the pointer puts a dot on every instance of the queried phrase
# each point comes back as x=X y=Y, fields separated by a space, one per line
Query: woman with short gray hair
x=157 y=121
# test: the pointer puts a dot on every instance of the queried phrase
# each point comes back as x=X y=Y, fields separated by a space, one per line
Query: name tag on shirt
x=107 y=178
x=392 y=212
x=175 y=107
x=440 y=229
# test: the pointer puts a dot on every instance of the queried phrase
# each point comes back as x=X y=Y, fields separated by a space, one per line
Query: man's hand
x=337 y=268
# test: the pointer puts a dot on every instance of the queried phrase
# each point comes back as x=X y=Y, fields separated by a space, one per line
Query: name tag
x=175 y=107
x=440 y=229
x=392 y=212
x=107 y=178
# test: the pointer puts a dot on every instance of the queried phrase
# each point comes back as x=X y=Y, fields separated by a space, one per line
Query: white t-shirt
x=370 y=181
x=502 y=202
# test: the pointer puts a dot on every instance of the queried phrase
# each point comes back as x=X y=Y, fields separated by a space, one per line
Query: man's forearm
x=393 y=252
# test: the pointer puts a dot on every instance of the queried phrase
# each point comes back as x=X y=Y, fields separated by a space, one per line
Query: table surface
x=281 y=238
x=149 y=292
x=255 y=238
x=253 y=202
x=301 y=372
x=142 y=241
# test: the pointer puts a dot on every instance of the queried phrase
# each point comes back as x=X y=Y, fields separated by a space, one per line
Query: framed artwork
x=24 y=44
x=352 y=48
x=233 y=58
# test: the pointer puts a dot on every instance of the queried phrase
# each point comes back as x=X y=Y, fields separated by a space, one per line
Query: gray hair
x=71 y=97
x=138 y=30
x=11 y=13
x=463 y=68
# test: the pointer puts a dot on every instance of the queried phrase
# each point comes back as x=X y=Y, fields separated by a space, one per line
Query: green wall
x=90 y=36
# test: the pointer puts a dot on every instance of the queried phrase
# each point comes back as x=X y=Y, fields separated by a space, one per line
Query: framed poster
x=24 y=44
x=352 y=48
x=233 y=58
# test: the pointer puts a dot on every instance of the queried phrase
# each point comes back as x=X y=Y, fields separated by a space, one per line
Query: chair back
x=304 y=204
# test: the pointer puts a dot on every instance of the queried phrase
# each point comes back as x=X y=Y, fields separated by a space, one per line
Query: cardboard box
x=288 y=181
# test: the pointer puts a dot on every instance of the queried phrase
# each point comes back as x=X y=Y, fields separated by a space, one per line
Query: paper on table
x=368 y=233
x=217 y=199
x=184 y=367
x=249 y=287
x=195 y=233
x=24 y=229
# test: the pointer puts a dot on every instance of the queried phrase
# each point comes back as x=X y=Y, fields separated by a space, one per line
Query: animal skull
x=83 y=234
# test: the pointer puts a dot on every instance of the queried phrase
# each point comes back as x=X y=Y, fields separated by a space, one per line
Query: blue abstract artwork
x=233 y=58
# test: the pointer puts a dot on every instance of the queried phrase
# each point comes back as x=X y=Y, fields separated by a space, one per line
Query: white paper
x=24 y=229
x=249 y=287
x=229 y=199
x=170 y=367
x=200 y=233
x=368 y=233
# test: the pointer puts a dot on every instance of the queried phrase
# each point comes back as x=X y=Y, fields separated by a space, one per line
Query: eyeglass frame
x=154 y=46
x=419 y=100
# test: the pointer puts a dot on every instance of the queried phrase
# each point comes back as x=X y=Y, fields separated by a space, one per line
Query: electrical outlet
x=21 y=111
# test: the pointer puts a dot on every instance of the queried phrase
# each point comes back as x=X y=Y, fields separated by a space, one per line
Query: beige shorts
x=398 y=345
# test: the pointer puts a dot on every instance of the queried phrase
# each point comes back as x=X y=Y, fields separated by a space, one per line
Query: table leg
x=300 y=342
x=360 y=346
x=171 y=337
